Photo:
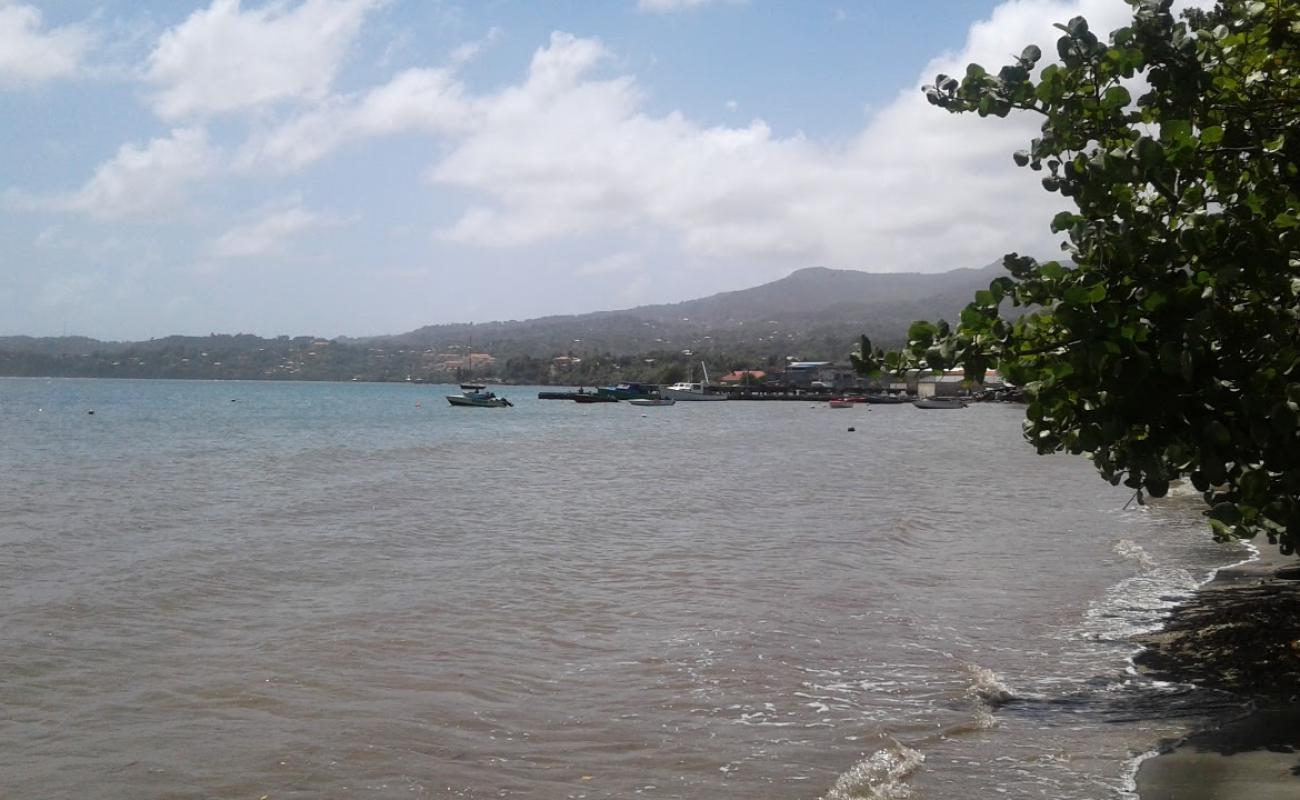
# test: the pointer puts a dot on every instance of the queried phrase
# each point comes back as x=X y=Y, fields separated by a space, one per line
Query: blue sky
x=357 y=167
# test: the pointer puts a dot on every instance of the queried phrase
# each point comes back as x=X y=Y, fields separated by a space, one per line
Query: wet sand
x=1240 y=634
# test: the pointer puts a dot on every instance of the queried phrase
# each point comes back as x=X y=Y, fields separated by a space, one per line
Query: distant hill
x=801 y=311
x=814 y=314
x=840 y=293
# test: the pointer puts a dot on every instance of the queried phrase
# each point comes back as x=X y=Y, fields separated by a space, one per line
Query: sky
x=362 y=167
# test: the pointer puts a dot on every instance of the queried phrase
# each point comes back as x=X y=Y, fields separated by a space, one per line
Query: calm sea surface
x=321 y=590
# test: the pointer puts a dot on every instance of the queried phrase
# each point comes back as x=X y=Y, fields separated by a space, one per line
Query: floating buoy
x=90 y=412
x=852 y=430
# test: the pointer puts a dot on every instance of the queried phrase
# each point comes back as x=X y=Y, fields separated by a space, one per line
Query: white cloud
x=470 y=50
x=416 y=100
x=224 y=59
x=427 y=100
x=568 y=153
x=668 y=6
x=138 y=180
x=30 y=55
x=267 y=235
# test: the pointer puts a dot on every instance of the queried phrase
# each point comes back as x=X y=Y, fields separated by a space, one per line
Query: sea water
x=218 y=589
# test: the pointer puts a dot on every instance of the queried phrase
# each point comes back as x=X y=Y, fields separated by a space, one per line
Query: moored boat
x=689 y=390
x=473 y=395
x=887 y=399
x=651 y=401
x=594 y=398
x=939 y=402
x=840 y=402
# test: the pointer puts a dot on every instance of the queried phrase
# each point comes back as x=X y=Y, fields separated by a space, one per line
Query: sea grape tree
x=1167 y=343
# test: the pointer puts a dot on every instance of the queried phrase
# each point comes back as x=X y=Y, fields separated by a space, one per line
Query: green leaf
x=1052 y=270
x=1116 y=97
x=1149 y=152
x=1175 y=130
x=1063 y=221
x=1226 y=513
x=921 y=333
x=971 y=317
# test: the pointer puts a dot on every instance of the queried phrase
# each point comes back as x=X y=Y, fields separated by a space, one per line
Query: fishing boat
x=651 y=401
x=939 y=402
x=692 y=391
x=476 y=396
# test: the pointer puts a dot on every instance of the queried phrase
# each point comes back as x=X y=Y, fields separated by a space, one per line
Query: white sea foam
x=986 y=687
x=1134 y=552
x=880 y=776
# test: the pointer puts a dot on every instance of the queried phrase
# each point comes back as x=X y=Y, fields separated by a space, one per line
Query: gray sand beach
x=1241 y=633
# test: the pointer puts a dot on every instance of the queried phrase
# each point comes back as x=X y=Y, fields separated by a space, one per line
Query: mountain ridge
x=819 y=293
x=814 y=313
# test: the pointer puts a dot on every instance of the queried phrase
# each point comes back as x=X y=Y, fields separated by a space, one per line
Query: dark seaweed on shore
x=1242 y=638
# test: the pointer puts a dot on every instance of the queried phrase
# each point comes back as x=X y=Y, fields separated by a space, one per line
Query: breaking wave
x=880 y=776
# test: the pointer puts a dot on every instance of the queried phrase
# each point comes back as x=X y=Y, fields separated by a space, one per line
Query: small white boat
x=476 y=396
x=651 y=401
x=691 y=390
x=939 y=402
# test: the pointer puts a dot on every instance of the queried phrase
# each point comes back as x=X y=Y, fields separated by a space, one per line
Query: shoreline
x=1240 y=633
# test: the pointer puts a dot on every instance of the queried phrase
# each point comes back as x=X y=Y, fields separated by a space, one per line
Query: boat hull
x=682 y=394
x=886 y=399
x=628 y=391
x=939 y=402
x=651 y=401
x=469 y=402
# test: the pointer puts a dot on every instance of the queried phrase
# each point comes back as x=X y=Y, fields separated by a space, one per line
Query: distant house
x=743 y=376
x=950 y=383
x=472 y=361
x=821 y=375
x=561 y=364
x=806 y=373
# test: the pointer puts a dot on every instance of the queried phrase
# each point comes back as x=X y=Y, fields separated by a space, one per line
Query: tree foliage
x=1168 y=343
